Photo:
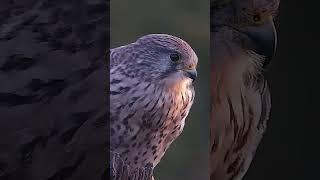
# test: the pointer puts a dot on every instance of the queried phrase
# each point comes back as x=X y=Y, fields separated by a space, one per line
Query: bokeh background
x=187 y=157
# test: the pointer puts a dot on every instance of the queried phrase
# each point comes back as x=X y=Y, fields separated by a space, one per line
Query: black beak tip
x=191 y=74
x=269 y=56
x=267 y=51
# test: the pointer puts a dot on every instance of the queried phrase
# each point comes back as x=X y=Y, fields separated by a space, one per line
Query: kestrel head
x=162 y=57
x=249 y=25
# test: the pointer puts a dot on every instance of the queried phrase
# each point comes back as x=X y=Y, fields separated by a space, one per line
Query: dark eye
x=256 y=18
x=175 y=57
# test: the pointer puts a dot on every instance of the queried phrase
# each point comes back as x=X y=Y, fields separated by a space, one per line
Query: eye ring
x=175 y=57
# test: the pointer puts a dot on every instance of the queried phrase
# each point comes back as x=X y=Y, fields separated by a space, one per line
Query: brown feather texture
x=151 y=93
x=243 y=42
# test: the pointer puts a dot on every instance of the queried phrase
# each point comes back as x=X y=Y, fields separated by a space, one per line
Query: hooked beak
x=264 y=38
x=191 y=73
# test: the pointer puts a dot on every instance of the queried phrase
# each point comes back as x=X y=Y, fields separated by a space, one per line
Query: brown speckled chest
x=146 y=119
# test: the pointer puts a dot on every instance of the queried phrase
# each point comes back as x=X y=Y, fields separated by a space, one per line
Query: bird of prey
x=53 y=121
x=151 y=93
x=243 y=43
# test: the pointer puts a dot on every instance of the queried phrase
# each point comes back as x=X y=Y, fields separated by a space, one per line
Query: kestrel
x=243 y=43
x=151 y=93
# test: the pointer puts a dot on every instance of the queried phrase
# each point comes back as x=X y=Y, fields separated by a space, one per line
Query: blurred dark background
x=53 y=97
x=289 y=149
x=187 y=157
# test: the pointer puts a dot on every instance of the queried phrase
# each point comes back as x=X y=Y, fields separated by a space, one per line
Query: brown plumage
x=151 y=93
x=243 y=42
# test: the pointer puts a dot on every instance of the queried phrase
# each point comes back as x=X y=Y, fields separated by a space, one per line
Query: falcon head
x=164 y=58
x=251 y=24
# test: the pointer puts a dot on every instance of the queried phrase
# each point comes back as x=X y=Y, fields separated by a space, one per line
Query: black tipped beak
x=192 y=74
x=264 y=38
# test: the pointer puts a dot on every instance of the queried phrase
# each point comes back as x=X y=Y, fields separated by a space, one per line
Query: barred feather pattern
x=239 y=119
x=240 y=109
x=241 y=100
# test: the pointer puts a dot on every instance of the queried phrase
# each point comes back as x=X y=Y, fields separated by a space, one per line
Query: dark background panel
x=289 y=149
x=52 y=89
